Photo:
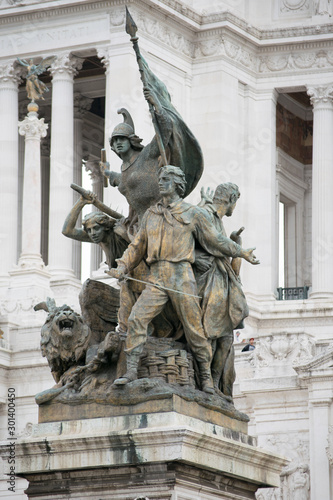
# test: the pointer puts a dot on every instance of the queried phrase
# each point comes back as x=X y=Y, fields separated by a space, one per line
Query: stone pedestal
x=156 y=456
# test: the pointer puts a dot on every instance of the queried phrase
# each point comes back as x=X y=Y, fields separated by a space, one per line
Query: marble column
x=92 y=166
x=103 y=54
x=9 y=168
x=45 y=172
x=130 y=91
x=33 y=128
x=61 y=171
x=322 y=187
x=257 y=183
x=81 y=105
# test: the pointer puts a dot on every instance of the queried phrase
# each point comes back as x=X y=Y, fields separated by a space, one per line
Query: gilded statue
x=34 y=86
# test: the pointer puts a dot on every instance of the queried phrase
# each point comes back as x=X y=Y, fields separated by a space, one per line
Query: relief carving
x=284 y=348
x=294 y=5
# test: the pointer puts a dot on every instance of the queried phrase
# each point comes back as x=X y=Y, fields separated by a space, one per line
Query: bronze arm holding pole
x=98 y=204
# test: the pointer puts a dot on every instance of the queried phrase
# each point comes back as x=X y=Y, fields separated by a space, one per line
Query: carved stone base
x=56 y=411
x=156 y=456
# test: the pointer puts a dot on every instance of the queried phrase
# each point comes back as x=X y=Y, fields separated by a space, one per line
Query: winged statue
x=35 y=87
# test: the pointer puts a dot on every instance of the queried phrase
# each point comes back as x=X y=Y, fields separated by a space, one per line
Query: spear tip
x=131 y=27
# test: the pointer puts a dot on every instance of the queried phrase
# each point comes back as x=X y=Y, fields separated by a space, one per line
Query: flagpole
x=131 y=29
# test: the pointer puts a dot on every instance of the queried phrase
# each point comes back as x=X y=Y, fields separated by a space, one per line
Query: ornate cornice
x=201 y=37
x=173 y=8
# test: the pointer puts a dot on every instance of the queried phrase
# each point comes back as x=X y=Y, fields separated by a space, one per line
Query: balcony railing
x=295 y=293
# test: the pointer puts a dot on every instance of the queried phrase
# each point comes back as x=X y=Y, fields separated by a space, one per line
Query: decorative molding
x=284 y=348
x=320 y=94
x=91 y=165
x=268 y=494
x=329 y=448
x=9 y=73
x=32 y=126
x=8 y=3
x=320 y=59
x=294 y=5
x=82 y=104
x=322 y=8
x=248 y=47
x=295 y=446
x=104 y=55
x=65 y=63
x=161 y=31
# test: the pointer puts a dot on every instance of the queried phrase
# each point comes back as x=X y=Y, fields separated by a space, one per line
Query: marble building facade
x=254 y=80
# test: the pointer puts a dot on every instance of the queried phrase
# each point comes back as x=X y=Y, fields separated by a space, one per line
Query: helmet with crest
x=126 y=129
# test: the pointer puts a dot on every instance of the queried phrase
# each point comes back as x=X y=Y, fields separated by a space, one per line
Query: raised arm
x=216 y=243
x=69 y=228
x=162 y=118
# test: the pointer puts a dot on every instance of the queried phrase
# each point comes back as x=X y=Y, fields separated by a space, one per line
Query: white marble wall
x=225 y=64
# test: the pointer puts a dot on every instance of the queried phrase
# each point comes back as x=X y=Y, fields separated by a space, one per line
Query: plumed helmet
x=123 y=129
x=126 y=129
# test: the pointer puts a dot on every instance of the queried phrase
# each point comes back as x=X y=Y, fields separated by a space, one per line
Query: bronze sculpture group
x=178 y=271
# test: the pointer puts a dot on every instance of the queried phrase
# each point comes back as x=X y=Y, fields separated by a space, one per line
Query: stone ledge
x=57 y=411
x=162 y=438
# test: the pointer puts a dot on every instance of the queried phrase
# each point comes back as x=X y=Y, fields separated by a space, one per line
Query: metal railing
x=294 y=293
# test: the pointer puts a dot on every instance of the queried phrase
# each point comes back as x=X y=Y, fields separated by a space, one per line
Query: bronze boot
x=132 y=362
x=207 y=384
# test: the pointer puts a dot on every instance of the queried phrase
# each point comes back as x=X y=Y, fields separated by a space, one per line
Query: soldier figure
x=167 y=239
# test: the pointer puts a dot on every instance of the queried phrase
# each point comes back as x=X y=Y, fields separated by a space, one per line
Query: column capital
x=321 y=94
x=104 y=55
x=81 y=104
x=65 y=64
x=91 y=165
x=9 y=73
x=33 y=127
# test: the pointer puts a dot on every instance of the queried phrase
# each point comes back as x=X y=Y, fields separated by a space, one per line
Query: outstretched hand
x=249 y=256
x=207 y=196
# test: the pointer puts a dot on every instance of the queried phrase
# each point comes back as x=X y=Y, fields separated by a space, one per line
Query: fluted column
x=92 y=166
x=258 y=194
x=81 y=105
x=8 y=167
x=45 y=172
x=105 y=57
x=61 y=167
x=131 y=91
x=322 y=189
x=33 y=128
